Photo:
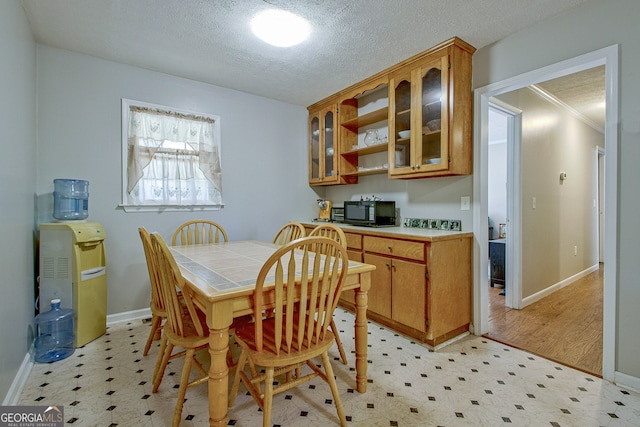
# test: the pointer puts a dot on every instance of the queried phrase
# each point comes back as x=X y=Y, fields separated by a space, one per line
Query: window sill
x=169 y=208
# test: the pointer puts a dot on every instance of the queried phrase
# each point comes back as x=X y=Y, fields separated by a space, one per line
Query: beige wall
x=553 y=141
x=590 y=27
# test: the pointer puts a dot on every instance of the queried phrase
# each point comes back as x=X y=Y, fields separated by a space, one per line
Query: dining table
x=221 y=279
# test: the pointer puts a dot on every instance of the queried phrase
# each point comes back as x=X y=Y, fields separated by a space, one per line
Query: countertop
x=425 y=234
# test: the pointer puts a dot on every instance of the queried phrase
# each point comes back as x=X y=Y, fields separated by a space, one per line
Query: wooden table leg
x=218 y=371
x=361 y=331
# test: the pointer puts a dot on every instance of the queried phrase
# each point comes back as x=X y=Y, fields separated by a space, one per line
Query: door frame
x=606 y=56
x=513 y=252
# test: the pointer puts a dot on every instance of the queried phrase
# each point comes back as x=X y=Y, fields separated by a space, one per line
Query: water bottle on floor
x=54 y=334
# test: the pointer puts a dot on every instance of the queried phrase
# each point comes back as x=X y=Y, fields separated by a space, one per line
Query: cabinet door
x=380 y=292
x=329 y=154
x=408 y=293
x=314 y=147
x=400 y=121
x=419 y=104
x=432 y=122
x=323 y=147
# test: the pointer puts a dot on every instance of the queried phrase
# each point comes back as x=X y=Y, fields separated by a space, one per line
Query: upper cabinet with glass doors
x=420 y=127
x=323 y=149
x=430 y=121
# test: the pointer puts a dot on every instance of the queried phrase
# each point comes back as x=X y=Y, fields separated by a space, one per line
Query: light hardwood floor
x=565 y=327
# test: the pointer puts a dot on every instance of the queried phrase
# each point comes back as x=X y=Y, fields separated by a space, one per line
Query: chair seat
x=190 y=338
x=245 y=336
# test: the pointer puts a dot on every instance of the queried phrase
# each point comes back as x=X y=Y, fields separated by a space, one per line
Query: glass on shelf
x=373 y=137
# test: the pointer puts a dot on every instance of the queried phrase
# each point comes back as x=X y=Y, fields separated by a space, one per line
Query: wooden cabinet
x=398 y=290
x=421 y=286
x=428 y=96
x=430 y=123
x=419 y=108
x=324 y=147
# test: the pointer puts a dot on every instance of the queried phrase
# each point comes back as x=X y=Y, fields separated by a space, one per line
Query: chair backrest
x=288 y=233
x=311 y=270
x=199 y=232
x=331 y=231
x=154 y=273
x=171 y=281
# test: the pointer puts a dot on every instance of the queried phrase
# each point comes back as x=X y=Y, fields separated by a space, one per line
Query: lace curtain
x=173 y=159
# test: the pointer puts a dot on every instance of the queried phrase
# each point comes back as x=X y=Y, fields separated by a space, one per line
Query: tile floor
x=472 y=382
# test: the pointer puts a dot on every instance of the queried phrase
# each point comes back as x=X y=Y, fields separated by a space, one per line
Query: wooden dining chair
x=199 y=232
x=289 y=232
x=185 y=327
x=331 y=231
x=334 y=232
x=301 y=282
x=158 y=312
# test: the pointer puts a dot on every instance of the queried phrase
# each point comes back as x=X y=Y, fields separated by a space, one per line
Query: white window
x=171 y=159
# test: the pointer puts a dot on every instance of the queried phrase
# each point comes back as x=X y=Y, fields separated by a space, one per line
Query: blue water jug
x=70 y=199
x=54 y=332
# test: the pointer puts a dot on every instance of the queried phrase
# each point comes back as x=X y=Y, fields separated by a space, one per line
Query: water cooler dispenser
x=73 y=268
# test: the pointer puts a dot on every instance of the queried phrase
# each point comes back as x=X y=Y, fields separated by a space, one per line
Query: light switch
x=533 y=202
x=465 y=203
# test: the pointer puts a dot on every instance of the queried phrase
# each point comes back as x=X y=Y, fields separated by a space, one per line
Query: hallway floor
x=472 y=382
x=565 y=326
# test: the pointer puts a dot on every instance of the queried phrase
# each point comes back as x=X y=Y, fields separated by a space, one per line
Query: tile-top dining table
x=222 y=278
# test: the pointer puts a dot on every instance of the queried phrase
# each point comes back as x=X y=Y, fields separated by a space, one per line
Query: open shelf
x=366 y=119
x=367 y=172
x=371 y=149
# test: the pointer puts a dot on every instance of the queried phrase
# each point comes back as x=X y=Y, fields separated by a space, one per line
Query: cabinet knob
x=390 y=247
x=418 y=166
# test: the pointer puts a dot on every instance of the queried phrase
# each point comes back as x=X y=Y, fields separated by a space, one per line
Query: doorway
x=608 y=58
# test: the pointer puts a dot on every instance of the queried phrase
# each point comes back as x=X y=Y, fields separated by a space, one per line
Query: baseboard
x=551 y=289
x=127 y=316
x=626 y=381
x=19 y=381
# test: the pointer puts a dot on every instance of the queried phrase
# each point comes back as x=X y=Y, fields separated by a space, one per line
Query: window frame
x=124 y=204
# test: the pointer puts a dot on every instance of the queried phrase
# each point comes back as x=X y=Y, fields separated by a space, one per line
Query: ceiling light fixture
x=280 y=28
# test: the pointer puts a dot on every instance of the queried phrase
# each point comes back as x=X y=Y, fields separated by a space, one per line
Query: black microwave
x=370 y=213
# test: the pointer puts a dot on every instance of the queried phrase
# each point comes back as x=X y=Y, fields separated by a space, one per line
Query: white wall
x=18 y=177
x=264 y=156
x=434 y=198
x=593 y=26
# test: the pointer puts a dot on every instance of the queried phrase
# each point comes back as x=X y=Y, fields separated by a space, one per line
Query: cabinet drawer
x=354 y=241
x=399 y=248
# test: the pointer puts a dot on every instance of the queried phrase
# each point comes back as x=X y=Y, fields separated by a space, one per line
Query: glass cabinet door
x=419 y=121
x=403 y=124
x=329 y=157
x=400 y=124
x=314 y=148
x=433 y=120
x=323 y=142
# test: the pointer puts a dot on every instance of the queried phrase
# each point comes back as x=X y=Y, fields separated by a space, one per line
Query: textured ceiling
x=583 y=91
x=210 y=40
